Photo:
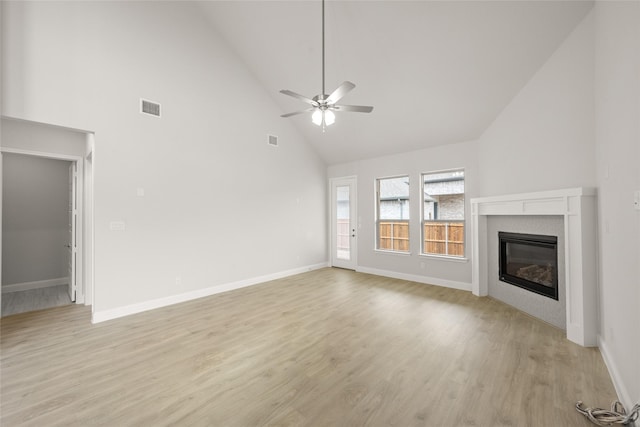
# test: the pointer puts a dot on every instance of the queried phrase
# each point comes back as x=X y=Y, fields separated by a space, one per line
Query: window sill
x=382 y=251
x=446 y=257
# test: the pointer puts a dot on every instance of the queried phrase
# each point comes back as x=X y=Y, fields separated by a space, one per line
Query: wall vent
x=149 y=107
x=272 y=140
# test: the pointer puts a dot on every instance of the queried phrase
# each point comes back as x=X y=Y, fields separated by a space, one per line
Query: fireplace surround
x=577 y=207
x=544 y=308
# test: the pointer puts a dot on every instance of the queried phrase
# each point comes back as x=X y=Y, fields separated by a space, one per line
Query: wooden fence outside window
x=440 y=237
x=393 y=236
x=443 y=238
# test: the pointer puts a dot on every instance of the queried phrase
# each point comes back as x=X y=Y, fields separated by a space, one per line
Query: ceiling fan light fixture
x=316 y=117
x=329 y=117
x=323 y=117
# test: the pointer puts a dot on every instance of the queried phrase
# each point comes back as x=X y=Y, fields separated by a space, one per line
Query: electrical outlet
x=178 y=280
x=422 y=265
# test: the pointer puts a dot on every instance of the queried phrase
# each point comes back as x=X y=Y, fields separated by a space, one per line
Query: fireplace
x=529 y=261
x=576 y=250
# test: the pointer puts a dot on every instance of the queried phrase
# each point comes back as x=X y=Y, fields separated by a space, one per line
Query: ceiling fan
x=323 y=105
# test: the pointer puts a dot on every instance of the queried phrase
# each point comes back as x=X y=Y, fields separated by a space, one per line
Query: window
x=443 y=213
x=393 y=214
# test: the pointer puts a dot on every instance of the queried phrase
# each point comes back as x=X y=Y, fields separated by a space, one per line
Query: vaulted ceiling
x=436 y=72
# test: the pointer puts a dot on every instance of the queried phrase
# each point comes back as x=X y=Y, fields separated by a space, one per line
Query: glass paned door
x=343 y=223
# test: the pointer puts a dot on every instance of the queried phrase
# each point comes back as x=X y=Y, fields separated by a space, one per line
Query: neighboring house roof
x=445 y=183
x=394 y=188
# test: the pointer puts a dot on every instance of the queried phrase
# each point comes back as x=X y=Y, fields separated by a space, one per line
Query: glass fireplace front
x=530 y=261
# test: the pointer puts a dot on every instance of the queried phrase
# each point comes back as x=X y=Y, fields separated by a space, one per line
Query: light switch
x=117 y=226
x=140 y=192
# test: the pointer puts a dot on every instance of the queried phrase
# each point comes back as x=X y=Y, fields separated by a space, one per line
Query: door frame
x=351 y=180
x=79 y=162
x=73 y=238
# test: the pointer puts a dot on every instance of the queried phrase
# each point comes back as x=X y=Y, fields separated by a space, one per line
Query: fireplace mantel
x=578 y=208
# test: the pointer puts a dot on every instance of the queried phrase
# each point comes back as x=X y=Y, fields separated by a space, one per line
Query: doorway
x=42 y=215
x=344 y=223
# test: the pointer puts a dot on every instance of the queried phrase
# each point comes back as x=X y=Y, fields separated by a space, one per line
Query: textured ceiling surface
x=436 y=72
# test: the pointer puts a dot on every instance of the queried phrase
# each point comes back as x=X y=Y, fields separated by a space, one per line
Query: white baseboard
x=38 y=284
x=101 y=316
x=417 y=278
x=621 y=389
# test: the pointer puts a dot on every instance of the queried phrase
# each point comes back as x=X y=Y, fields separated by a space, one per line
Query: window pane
x=342 y=223
x=393 y=214
x=444 y=195
x=394 y=198
x=443 y=213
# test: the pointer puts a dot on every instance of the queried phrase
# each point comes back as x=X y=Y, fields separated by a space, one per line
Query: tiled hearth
x=577 y=208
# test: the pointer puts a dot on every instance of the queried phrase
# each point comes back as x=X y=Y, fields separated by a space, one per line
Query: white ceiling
x=436 y=72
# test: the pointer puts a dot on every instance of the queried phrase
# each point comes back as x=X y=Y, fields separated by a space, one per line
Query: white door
x=343 y=223
x=72 y=244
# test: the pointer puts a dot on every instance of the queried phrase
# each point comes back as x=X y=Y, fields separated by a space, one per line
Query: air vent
x=273 y=140
x=149 y=107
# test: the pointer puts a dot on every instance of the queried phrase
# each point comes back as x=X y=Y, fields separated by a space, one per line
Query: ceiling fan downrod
x=323 y=92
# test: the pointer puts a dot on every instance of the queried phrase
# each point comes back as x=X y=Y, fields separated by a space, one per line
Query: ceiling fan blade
x=342 y=90
x=300 y=97
x=353 y=108
x=308 y=110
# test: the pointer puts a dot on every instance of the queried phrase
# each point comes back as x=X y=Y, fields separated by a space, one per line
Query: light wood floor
x=34 y=299
x=325 y=348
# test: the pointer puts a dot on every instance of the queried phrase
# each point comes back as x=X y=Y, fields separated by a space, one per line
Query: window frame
x=424 y=222
x=378 y=220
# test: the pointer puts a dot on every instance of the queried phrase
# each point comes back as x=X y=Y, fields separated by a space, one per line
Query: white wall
x=543 y=140
x=35 y=218
x=617 y=94
x=436 y=270
x=220 y=205
x=36 y=137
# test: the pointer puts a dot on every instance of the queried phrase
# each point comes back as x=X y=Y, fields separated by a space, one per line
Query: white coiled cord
x=605 y=417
